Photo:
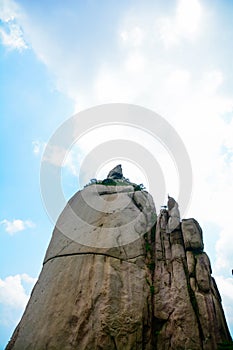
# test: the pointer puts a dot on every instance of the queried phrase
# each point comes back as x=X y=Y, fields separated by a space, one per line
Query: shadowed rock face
x=116 y=173
x=153 y=292
x=187 y=305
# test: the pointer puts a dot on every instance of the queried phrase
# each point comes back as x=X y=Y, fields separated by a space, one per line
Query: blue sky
x=58 y=58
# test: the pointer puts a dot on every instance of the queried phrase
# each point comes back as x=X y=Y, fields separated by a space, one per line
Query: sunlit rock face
x=117 y=277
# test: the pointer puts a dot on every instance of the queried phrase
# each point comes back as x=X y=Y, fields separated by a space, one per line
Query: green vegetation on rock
x=225 y=346
x=116 y=182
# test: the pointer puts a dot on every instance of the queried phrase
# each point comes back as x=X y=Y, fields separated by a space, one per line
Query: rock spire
x=116 y=173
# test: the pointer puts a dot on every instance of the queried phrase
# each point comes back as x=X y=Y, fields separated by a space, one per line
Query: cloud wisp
x=14 y=294
x=11 y=32
x=16 y=225
x=185 y=25
x=12 y=290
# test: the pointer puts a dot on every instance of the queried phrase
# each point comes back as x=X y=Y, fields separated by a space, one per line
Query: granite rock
x=116 y=173
x=192 y=234
x=117 y=277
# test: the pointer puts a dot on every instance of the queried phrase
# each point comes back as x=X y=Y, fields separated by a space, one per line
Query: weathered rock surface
x=93 y=296
x=174 y=215
x=86 y=302
x=192 y=234
x=113 y=278
x=187 y=305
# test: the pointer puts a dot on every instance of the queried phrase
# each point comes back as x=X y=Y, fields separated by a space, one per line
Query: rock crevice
x=189 y=303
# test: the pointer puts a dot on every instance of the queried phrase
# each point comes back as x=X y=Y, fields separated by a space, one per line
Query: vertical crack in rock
x=185 y=297
x=149 y=238
x=194 y=303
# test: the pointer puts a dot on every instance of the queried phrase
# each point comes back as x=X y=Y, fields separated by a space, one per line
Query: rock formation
x=187 y=305
x=117 y=277
x=116 y=173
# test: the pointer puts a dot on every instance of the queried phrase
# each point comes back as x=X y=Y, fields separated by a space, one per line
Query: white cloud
x=14 y=295
x=133 y=36
x=11 y=33
x=28 y=279
x=72 y=161
x=224 y=250
x=38 y=147
x=12 y=37
x=188 y=15
x=178 y=80
x=12 y=290
x=8 y=10
x=211 y=81
x=225 y=286
x=68 y=159
x=16 y=225
x=184 y=25
x=135 y=62
x=54 y=154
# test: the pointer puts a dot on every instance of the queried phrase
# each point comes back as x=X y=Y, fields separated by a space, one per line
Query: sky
x=59 y=58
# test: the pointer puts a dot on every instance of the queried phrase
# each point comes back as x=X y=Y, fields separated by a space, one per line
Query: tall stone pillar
x=117 y=278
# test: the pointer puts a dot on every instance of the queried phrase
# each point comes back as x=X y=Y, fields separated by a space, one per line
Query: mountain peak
x=116 y=173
